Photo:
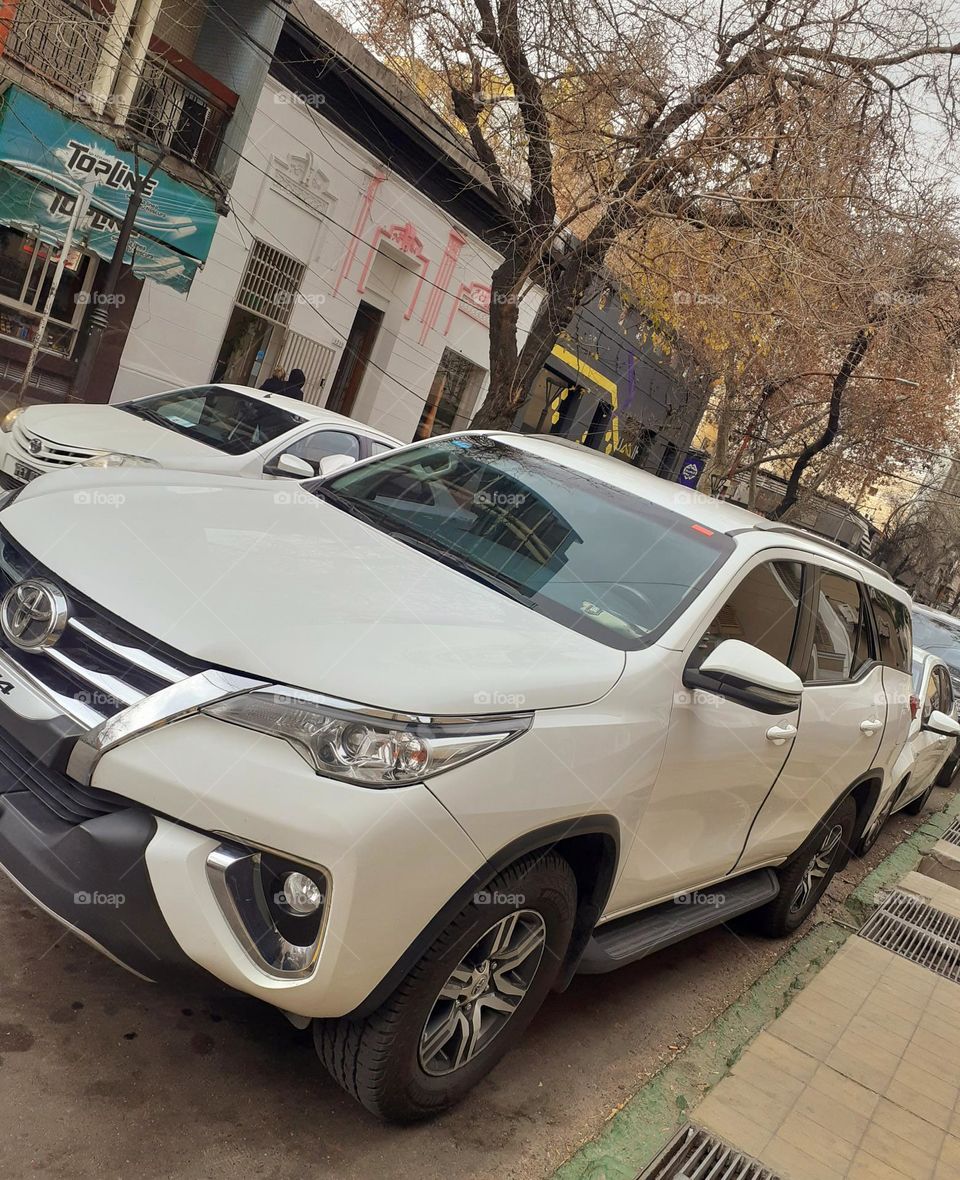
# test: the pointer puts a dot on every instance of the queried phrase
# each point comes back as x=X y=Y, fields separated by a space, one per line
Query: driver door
x=721 y=758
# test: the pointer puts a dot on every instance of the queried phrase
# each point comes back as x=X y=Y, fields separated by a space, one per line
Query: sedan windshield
x=591 y=556
x=221 y=418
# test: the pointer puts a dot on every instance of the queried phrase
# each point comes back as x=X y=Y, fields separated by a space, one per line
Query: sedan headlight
x=371 y=747
x=6 y=423
x=118 y=459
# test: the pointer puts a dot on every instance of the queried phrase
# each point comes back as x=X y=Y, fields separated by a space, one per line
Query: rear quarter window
x=894 y=630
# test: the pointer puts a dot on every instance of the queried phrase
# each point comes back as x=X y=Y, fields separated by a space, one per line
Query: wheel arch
x=590 y=845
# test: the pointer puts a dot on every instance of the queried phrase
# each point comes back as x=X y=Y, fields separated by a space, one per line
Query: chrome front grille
x=42 y=452
x=100 y=665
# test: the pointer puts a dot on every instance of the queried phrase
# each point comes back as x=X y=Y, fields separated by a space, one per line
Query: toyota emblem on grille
x=35 y=445
x=33 y=614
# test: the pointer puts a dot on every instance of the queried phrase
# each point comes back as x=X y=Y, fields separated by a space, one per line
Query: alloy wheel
x=817 y=869
x=482 y=992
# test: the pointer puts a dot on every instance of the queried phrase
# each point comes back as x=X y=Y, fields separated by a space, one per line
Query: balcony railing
x=59 y=40
x=173 y=112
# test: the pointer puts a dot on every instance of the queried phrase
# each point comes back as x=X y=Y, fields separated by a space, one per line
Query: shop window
x=26 y=271
x=450 y=397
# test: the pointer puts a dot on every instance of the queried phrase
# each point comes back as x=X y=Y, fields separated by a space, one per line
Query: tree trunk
x=851 y=362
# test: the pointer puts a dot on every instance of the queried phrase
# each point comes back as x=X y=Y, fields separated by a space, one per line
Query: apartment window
x=271 y=283
x=451 y=393
x=27 y=268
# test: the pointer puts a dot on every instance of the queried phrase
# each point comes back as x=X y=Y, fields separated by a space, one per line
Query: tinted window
x=945 y=690
x=378 y=448
x=893 y=628
x=940 y=636
x=317 y=446
x=841 y=638
x=762 y=610
x=221 y=418
x=585 y=553
x=931 y=699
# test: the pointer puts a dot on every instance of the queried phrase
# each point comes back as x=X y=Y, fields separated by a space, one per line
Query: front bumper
x=91 y=875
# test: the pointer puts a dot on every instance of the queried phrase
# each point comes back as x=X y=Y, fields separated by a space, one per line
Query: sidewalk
x=857 y=1077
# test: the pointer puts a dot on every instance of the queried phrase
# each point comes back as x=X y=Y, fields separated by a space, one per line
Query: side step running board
x=628 y=939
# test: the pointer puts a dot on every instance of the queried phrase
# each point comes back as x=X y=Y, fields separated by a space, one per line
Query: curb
x=635 y=1134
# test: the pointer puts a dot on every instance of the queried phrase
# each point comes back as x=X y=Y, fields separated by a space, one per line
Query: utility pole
x=81 y=204
x=99 y=314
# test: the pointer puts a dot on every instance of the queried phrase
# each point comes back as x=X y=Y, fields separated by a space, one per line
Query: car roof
x=937 y=614
x=305 y=410
x=718 y=515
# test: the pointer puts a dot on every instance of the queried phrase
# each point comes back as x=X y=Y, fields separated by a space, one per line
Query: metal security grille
x=312 y=358
x=910 y=927
x=952 y=834
x=271 y=283
x=695 y=1154
x=59 y=39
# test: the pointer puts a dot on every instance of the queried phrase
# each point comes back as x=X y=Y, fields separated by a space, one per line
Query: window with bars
x=271 y=283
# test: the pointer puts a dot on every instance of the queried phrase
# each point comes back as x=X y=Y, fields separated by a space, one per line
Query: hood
x=269 y=580
x=106 y=428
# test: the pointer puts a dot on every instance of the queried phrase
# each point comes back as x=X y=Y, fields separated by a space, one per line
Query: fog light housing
x=300 y=895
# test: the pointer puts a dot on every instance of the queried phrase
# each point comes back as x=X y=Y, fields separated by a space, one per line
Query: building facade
x=110 y=108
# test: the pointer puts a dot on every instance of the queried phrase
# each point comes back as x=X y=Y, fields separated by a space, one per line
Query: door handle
x=778 y=734
x=870 y=726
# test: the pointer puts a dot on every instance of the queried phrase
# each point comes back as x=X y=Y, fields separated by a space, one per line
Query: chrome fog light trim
x=234 y=873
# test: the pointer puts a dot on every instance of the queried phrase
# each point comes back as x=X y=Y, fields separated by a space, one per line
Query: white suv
x=402 y=750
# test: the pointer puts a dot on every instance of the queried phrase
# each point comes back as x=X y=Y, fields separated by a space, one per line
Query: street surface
x=103 y=1075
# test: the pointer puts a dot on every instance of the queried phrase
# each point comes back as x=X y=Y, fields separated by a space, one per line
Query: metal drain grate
x=952 y=834
x=911 y=927
x=695 y=1154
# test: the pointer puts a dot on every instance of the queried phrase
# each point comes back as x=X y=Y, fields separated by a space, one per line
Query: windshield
x=940 y=637
x=221 y=418
x=597 y=559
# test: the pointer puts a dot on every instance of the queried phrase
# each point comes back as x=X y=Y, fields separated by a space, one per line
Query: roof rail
x=834 y=546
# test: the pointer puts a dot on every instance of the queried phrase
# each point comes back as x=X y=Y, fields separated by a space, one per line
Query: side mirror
x=290 y=465
x=745 y=674
x=331 y=464
x=942 y=723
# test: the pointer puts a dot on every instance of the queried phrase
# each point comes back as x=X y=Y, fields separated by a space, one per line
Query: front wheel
x=806 y=875
x=916 y=806
x=465 y=1004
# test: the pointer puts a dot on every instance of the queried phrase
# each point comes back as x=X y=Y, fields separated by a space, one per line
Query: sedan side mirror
x=940 y=722
x=745 y=674
x=290 y=465
x=331 y=464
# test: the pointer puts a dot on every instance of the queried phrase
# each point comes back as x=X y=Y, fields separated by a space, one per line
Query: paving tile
x=766 y=1109
x=928 y=1052
x=935 y=1088
x=801 y=1035
x=836 y=1118
x=922 y=1134
x=898 y=1153
x=737 y=1129
x=886 y=1032
x=783 y=1056
x=768 y=1077
x=790 y=1160
x=919 y=1103
x=800 y=1130
x=867 y=1167
x=950 y=1155
x=822 y=1006
x=844 y=1091
x=937 y=893
x=870 y=1065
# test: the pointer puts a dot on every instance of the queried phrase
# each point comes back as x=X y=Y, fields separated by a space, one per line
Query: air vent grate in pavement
x=695 y=1154
x=952 y=834
x=911 y=927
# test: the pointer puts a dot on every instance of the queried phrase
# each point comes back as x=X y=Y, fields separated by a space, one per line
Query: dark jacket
x=274 y=385
x=294 y=387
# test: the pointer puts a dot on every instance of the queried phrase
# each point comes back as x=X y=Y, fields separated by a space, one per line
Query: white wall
x=175 y=339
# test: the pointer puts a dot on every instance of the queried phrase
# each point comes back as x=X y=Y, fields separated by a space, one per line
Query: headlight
x=6 y=424
x=118 y=459
x=367 y=746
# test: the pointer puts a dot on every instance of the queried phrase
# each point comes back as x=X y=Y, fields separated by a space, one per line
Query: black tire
x=873 y=830
x=783 y=915
x=948 y=770
x=915 y=806
x=379 y=1059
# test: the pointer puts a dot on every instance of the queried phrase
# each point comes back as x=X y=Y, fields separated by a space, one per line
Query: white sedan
x=924 y=760
x=222 y=429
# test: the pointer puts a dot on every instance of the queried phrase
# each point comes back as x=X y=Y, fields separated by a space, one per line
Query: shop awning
x=45 y=158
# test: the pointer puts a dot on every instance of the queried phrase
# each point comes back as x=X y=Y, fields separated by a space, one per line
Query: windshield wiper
x=149 y=415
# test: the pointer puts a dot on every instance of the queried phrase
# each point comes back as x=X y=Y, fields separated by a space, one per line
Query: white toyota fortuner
x=403 y=749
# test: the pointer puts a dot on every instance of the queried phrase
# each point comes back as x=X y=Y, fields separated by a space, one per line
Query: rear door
x=842 y=716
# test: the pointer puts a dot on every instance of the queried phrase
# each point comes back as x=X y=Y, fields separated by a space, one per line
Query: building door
x=356 y=357
x=455 y=382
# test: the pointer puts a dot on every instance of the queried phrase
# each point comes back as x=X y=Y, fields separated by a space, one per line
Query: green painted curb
x=634 y=1135
x=904 y=859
